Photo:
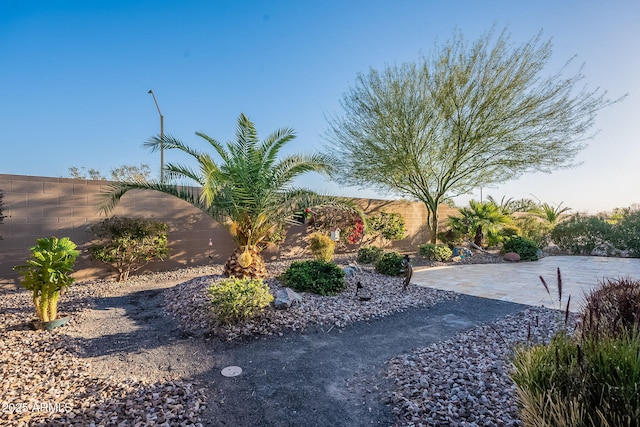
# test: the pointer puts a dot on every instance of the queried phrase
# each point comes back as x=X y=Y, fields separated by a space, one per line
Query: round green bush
x=390 y=263
x=433 y=252
x=369 y=254
x=320 y=277
x=322 y=247
x=527 y=249
x=234 y=300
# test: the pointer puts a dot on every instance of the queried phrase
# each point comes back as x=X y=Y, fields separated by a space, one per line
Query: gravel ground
x=462 y=381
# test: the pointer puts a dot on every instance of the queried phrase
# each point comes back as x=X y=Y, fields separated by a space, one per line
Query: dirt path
x=316 y=377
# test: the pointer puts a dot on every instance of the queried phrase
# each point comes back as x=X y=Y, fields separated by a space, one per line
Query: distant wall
x=42 y=207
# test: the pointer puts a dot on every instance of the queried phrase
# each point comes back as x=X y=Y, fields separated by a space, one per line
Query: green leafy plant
x=527 y=249
x=47 y=273
x=433 y=252
x=387 y=226
x=390 y=263
x=234 y=300
x=580 y=235
x=626 y=232
x=322 y=247
x=534 y=228
x=128 y=244
x=320 y=277
x=478 y=221
x=369 y=254
x=452 y=237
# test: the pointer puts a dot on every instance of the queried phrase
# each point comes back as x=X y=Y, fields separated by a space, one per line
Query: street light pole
x=161 y=137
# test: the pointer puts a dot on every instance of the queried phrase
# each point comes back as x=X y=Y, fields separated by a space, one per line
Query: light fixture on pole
x=161 y=137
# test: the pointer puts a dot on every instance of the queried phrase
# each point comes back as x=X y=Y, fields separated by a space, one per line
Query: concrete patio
x=520 y=282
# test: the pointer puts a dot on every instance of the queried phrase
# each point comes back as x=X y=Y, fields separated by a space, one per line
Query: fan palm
x=249 y=190
x=479 y=218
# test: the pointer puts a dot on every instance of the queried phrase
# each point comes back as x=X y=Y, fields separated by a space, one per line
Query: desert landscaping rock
x=511 y=257
x=135 y=353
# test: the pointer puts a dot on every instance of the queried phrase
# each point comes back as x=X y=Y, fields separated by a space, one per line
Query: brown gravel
x=70 y=376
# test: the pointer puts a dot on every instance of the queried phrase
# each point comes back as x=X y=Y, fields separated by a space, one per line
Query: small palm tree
x=249 y=190
x=551 y=214
x=479 y=218
x=510 y=206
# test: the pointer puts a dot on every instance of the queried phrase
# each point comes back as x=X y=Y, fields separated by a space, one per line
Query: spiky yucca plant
x=246 y=187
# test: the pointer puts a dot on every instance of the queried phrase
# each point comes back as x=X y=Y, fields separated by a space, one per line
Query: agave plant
x=46 y=273
x=248 y=189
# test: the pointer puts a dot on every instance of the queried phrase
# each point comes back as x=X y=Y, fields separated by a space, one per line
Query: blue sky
x=74 y=77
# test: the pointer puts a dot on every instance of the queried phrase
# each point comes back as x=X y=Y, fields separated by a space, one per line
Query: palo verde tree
x=466 y=116
x=245 y=186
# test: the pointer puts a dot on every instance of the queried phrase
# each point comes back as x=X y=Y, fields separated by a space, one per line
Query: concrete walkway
x=520 y=282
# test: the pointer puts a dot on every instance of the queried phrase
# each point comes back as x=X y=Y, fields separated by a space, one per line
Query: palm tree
x=479 y=218
x=249 y=190
x=510 y=206
x=551 y=214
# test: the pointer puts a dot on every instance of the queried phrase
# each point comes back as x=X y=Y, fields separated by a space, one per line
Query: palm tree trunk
x=245 y=262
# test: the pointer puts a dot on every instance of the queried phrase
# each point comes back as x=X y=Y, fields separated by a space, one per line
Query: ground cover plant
x=234 y=300
x=369 y=254
x=433 y=252
x=390 y=263
x=320 y=277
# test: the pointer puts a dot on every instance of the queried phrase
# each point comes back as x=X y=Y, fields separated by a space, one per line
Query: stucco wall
x=42 y=207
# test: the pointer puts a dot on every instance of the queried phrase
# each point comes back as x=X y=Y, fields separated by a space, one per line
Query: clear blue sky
x=74 y=76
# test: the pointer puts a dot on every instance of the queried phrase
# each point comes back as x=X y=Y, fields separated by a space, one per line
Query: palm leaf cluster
x=243 y=184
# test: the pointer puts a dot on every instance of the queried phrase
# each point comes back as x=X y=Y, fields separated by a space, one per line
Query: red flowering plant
x=330 y=218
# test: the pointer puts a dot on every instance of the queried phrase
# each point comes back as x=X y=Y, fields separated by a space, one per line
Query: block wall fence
x=36 y=207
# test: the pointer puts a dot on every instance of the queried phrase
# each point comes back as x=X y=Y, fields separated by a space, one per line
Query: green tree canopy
x=469 y=115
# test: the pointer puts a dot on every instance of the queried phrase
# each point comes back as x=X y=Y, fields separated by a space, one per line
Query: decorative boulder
x=285 y=298
x=350 y=271
x=511 y=256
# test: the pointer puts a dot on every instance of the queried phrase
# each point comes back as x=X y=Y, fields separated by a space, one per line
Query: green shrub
x=527 y=249
x=612 y=309
x=369 y=254
x=128 y=244
x=320 y=277
x=322 y=247
x=627 y=233
x=580 y=235
x=435 y=252
x=593 y=382
x=533 y=228
x=390 y=263
x=385 y=225
x=452 y=237
x=234 y=300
